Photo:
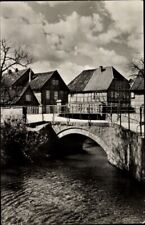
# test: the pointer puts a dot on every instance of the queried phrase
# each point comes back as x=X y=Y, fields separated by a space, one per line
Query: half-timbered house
x=137 y=91
x=93 y=89
x=138 y=96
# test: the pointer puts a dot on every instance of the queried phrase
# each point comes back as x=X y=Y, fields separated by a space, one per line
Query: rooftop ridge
x=45 y=73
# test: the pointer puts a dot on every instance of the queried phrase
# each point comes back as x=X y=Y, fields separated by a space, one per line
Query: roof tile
x=94 y=80
x=41 y=78
x=9 y=79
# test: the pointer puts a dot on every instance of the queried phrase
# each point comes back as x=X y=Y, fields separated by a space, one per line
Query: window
x=47 y=94
x=112 y=94
x=55 y=95
x=61 y=94
x=119 y=87
x=94 y=95
x=123 y=95
x=55 y=82
x=28 y=97
x=116 y=94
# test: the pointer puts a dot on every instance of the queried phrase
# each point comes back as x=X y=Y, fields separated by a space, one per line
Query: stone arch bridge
x=124 y=148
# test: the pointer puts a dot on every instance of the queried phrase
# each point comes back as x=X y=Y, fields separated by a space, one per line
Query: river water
x=77 y=189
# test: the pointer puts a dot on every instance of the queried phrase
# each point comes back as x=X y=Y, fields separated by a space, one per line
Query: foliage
x=19 y=145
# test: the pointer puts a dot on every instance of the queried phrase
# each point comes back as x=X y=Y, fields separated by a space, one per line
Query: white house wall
x=87 y=97
x=86 y=102
x=137 y=101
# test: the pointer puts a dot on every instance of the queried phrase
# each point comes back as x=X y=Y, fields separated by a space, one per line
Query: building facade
x=16 y=94
x=137 y=92
x=137 y=97
x=50 y=90
x=92 y=90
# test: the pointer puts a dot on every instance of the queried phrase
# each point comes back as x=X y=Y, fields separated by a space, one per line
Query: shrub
x=19 y=145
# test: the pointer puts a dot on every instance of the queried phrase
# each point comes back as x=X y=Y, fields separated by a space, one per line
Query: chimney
x=102 y=68
x=16 y=70
x=29 y=76
x=9 y=71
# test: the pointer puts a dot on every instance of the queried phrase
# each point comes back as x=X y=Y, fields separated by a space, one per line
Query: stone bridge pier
x=124 y=148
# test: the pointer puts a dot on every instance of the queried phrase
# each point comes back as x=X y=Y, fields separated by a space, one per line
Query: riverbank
x=36 y=143
x=22 y=145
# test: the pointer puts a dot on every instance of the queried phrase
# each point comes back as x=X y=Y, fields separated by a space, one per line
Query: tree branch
x=137 y=68
x=18 y=56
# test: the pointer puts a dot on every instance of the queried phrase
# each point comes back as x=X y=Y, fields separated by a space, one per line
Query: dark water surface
x=79 y=189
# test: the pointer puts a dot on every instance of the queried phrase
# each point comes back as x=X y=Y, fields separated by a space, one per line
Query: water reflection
x=12 y=179
x=77 y=189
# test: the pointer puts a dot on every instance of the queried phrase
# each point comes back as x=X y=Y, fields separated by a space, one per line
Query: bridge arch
x=84 y=132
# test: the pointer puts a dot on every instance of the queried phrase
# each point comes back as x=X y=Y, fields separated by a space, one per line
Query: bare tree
x=11 y=56
x=137 y=68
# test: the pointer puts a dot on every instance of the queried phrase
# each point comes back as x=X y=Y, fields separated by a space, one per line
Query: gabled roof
x=94 y=80
x=41 y=78
x=138 y=84
x=12 y=96
x=18 y=95
x=80 y=82
x=9 y=79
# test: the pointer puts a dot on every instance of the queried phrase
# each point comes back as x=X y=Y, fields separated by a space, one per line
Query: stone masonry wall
x=125 y=148
x=126 y=151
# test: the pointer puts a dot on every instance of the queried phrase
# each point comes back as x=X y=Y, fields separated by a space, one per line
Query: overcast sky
x=70 y=36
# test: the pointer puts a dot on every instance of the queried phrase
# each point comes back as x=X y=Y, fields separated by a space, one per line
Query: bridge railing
x=131 y=118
